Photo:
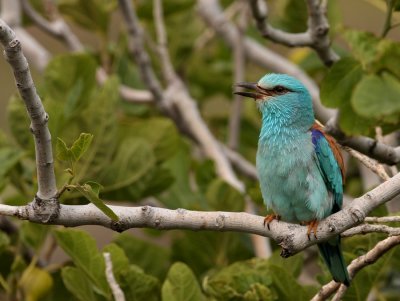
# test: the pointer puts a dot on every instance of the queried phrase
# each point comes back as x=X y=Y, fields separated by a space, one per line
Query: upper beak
x=258 y=93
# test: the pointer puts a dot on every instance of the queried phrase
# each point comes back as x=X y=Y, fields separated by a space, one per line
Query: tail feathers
x=331 y=251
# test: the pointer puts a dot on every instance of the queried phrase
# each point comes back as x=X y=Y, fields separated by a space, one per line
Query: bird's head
x=281 y=96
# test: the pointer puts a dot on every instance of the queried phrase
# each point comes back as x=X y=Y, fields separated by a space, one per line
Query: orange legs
x=312 y=227
x=269 y=218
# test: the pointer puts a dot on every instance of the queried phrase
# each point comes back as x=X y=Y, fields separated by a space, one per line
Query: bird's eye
x=279 y=89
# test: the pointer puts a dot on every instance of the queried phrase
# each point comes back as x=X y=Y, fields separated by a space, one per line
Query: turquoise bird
x=300 y=167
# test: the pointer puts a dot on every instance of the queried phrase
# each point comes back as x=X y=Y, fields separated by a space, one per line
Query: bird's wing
x=330 y=163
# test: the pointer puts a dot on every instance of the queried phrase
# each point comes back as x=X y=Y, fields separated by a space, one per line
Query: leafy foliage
x=108 y=149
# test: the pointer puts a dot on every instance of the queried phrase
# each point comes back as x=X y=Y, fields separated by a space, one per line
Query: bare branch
x=44 y=156
x=368 y=162
x=58 y=28
x=368 y=228
x=239 y=72
x=380 y=249
x=112 y=282
x=368 y=146
x=315 y=37
x=384 y=219
x=176 y=101
x=167 y=68
x=291 y=237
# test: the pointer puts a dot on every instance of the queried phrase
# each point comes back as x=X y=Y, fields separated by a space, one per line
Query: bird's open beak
x=258 y=93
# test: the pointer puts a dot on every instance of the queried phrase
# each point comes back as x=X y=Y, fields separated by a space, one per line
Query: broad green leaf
x=363 y=47
x=291 y=15
x=67 y=91
x=251 y=278
x=82 y=249
x=18 y=122
x=160 y=133
x=78 y=284
x=119 y=260
x=133 y=281
x=59 y=291
x=91 y=14
x=9 y=158
x=202 y=250
x=181 y=285
x=282 y=280
x=81 y=145
x=35 y=283
x=150 y=257
x=4 y=241
x=33 y=235
x=139 y=286
x=293 y=265
x=340 y=82
x=92 y=195
x=377 y=97
x=337 y=89
x=63 y=153
x=223 y=197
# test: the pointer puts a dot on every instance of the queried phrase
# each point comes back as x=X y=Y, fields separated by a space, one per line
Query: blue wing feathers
x=328 y=167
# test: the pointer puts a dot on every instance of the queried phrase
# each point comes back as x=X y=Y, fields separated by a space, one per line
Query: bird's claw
x=312 y=227
x=269 y=218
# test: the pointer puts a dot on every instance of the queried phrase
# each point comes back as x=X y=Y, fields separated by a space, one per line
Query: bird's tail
x=331 y=251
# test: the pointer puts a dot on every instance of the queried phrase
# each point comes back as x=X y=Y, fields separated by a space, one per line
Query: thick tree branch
x=44 y=156
x=291 y=237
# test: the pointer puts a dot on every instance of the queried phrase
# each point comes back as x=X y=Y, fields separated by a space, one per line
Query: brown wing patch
x=335 y=148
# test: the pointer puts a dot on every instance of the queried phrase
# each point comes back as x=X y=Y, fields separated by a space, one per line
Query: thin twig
x=384 y=219
x=112 y=282
x=368 y=228
x=368 y=162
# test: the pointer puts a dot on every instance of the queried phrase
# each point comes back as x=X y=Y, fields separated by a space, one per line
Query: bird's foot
x=312 y=227
x=269 y=218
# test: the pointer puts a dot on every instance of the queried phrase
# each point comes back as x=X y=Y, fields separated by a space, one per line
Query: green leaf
x=33 y=235
x=92 y=195
x=249 y=279
x=340 y=82
x=81 y=145
x=9 y=158
x=18 y=122
x=91 y=14
x=203 y=250
x=150 y=257
x=363 y=46
x=377 y=97
x=181 y=285
x=82 y=249
x=133 y=281
x=78 y=284
x=4 y=241
x=221 y=196
x=337 y=89
x=63 y=153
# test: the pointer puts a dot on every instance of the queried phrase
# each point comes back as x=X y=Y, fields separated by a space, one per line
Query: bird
x=300 y=167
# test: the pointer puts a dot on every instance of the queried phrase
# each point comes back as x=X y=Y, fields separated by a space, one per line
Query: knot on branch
x=119 y=226
x=356 y=214
x=220 y=221
x=44 y=211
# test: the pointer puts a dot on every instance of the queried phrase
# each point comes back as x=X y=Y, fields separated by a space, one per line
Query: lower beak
x=250 y=86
